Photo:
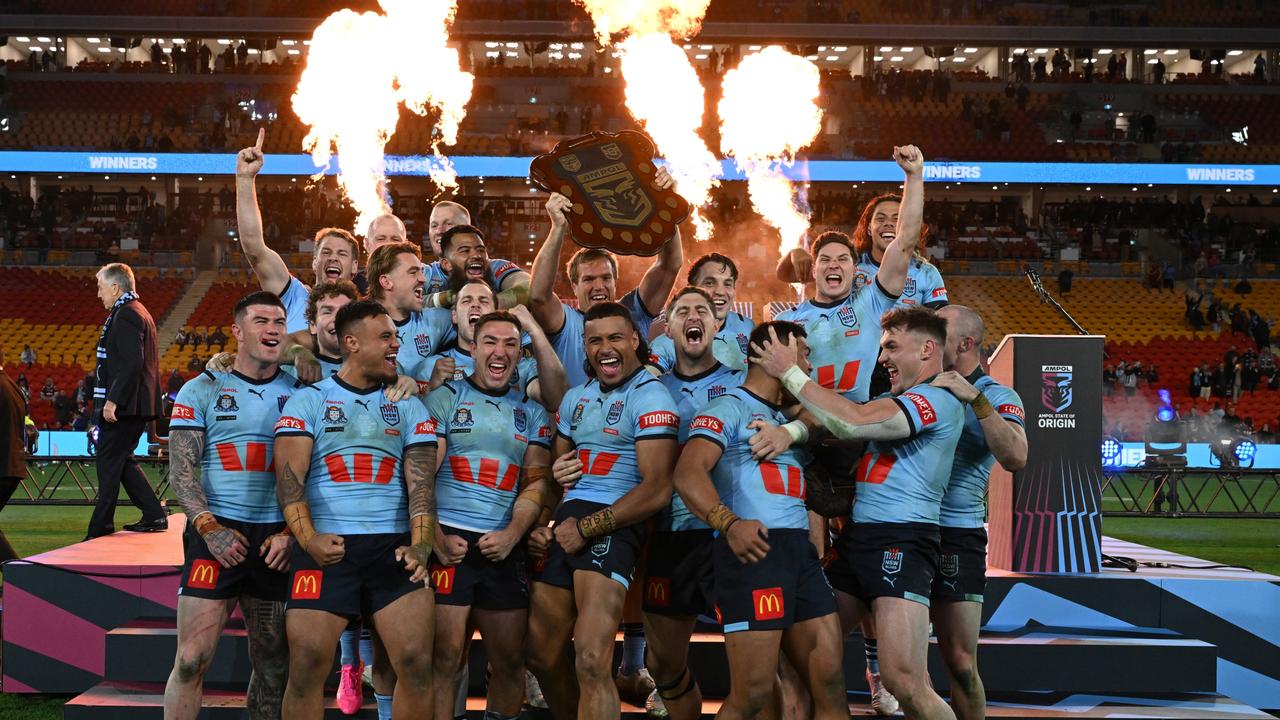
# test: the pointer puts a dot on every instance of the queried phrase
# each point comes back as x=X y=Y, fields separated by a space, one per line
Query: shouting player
x=993 y=430
x=615 y=447
x=769 y=586
x=235 y=544
x=507 y=279
x=718 y=276
x=887 y=556
x=323 y=304
x=353 y=477
x=593 y=275
x=489 y=490
x=336 y=252
x=541 y=377
x=677 y=582
x=395 y=280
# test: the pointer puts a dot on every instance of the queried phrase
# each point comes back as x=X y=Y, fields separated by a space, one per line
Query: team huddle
x=399 y=457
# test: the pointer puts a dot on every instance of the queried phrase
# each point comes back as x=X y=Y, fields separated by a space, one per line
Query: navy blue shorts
x=204 y=577
x=784 y=588
x=479 y=582
x=962 y=565
x=678 y=574
x=872 y=560
x=366 y=579
x=613 y=555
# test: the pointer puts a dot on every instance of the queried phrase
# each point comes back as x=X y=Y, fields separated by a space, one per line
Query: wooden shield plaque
x=609 y=179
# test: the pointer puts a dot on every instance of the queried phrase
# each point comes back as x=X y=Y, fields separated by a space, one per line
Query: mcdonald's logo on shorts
x=442 y=579
x=767 y=603
x=203 y=575
x=306 y=584
x=658 y=591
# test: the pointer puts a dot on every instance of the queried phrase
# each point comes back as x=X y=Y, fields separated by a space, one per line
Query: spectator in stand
x=1206 y=382
x=1259 y=68
x=1249 y=376
x=1064 y=281
x=1221 y=381
x=219 y=338
x=181 y=338
x=1109 y=380
x=48 y=390
x=28 y=356
x=1237 y=380
x=1157 y=72
x=1230 y=356
x=195 y=364
x=1194 y=386
x=63 y=409
x=1152 y=376
x=1260 y=330
x=1215 y=415
x=1131 y=379
x=1230 y=419
x=24 y=388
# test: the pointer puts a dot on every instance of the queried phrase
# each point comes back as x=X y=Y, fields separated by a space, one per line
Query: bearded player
x=541 y=376
x=615 y=447
x=677 y=582
x=993 y=430
x=336 y=252
x=769 y=587
x=236 y=545
x=887 y=557
x=507 y=279
x=718 y=276
x=490 y=490
x=353 y=478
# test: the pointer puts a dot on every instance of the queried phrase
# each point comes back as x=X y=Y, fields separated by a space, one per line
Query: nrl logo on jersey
x=391 y=414
x=892 y=561
x=716 y=391
x=518 y=417
x=846 y=316
x=615 y=413
x=909 y=287
x=423 y=343
x=280 y=401
x=744 y=343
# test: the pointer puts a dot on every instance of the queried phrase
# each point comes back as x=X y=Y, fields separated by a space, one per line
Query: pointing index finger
x=262 y=135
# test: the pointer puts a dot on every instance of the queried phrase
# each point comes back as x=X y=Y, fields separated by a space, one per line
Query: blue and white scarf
x=99 y=390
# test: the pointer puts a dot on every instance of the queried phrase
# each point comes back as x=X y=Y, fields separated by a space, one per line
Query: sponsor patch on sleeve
x=923 y=407
x=707 y=422
x=938 y=292
x=1011 y=409
x=659 y=418
x=426 y=427
x=182 y=412
x=287 y=422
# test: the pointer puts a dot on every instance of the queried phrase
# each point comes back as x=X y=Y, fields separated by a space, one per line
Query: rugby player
x=718 y=276
x=593 y=275
x=769 y=587
x=352 y=476
x=507 y=279
x=887 y=557
x=395 y=280
x=993 y=430
x=336 y=252
x=541 y=377
x=677 y=580
x=236 y=546
x=495 y=441
x=323 y=304
x=615 y=447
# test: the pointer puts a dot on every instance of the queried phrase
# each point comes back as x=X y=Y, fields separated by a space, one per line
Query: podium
x=1047 y=517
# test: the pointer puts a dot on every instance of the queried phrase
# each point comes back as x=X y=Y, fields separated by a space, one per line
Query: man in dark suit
x=127 y=396
x=13 y=466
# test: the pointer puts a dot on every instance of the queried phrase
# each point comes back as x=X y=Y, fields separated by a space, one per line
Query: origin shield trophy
x=609 y=179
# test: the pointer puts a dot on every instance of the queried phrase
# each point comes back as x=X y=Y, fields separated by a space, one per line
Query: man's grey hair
x=118 y=273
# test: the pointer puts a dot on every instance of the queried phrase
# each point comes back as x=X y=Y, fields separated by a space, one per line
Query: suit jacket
x=131 y=370
x=13 y=430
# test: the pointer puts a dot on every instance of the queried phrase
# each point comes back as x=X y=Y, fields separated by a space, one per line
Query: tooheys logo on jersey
x=928 y=415
x=659 y=418
x=1056 y=395
x=706 y=422
x=182 y=412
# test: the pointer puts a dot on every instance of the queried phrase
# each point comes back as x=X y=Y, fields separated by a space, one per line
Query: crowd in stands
x=71 y=408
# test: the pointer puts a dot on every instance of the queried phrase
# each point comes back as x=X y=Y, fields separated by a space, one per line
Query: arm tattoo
x=186 y=449
x=420 y=485
x=289 y=487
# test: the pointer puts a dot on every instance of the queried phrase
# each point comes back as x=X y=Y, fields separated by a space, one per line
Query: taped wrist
x=981 y=406
x=721 y=518
x=798 y=431
x=422 y=529
x=794 y=380
x=298 y=518
x=206 y=523
x=597 y=523
x=535 y=488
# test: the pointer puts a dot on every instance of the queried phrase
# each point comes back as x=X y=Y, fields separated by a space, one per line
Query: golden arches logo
x=442 y=580
x=306 y=584
x=768 y=603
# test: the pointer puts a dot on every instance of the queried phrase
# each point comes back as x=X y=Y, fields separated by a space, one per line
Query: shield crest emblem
x=949 y=565
x=280 y=401
x=423 y=344
x=909 y=287
x=611 y=151
x=518 y=417
x=847 y=316
x=391 y=414
x=571 y=163
x=601 y=546
x=892 y=561
x=744 y=343
x=615 y=413
x=1055 y=390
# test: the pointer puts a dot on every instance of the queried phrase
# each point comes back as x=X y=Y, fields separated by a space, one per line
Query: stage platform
x=97 y=618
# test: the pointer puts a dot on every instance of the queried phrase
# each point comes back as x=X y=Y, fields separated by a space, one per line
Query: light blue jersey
x=692 y=393
x=963 y=504
x=356 y=482
x=422 y=335
x=772 y=491
x=237 y=416
x=729 y=345
x=606 y=425
x=902 y=481
x=844 y=339
x=294 y=296
x=437 y=279
x=568 y=341
x=486 y=434
x=464 y=364
x=923 y=285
